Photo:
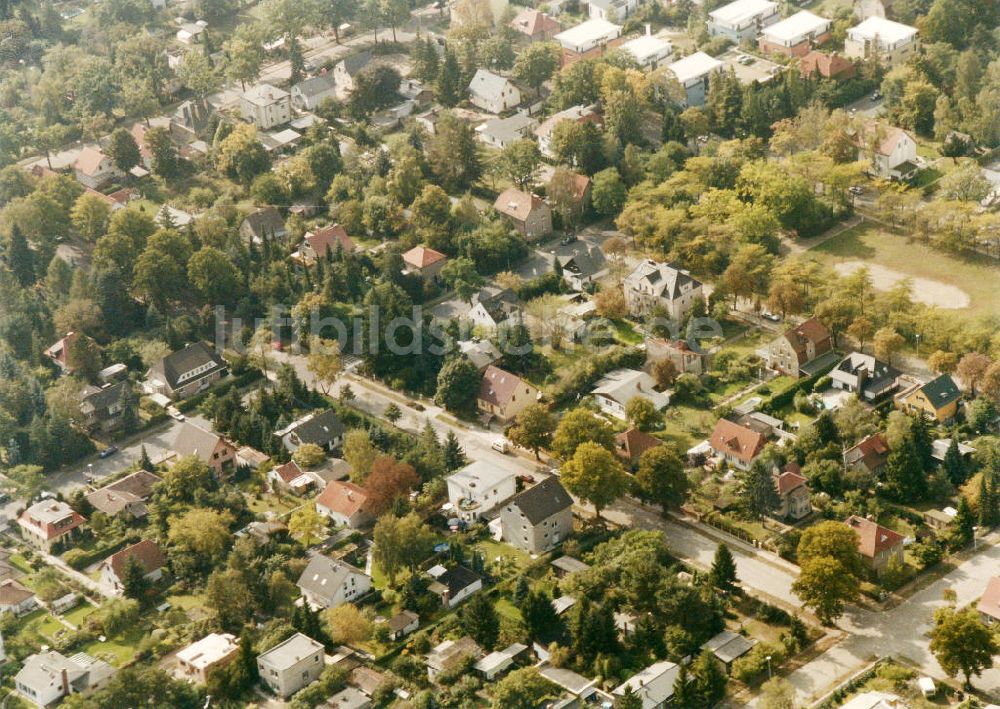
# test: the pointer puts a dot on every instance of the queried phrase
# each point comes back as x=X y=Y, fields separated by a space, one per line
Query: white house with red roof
x=737 y=444
x=878 y=545
x=793 y=492
x=503 y=395
x=424 y=262
x=147 y=553
x=891 y=152
x=989 y=603
x=316 y=244
x=49 y=522
x=528 y=213
x=95 y=169
x=345 y=504
x=535 y=26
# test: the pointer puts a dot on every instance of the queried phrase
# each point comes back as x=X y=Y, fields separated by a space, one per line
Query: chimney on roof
x=65 y=682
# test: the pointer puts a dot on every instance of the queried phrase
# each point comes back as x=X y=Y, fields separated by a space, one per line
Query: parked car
x=568 y=239
x=501 y=445
x=108 y=452
x=856 y=189
x=767 y=315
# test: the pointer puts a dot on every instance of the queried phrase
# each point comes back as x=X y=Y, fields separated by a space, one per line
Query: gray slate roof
x=184 y=360
x=321 y=429
x=323 y=576
x=543 y=500
x=316 y=85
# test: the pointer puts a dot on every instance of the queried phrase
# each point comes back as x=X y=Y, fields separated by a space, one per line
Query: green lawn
x=79 y=614
x=491 y=550
x=506 y=609
x=21 y=563
x=117 y=651
x=626 y=332
x=977 y=276
x=686 y=425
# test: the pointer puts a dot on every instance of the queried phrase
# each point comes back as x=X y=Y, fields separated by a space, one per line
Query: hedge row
x=237 y=381
x=586 y=373
x=780 y=399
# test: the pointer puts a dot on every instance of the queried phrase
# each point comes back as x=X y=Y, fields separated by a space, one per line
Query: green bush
x=753 y=666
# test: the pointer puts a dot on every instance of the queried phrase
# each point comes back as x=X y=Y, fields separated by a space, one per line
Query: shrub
x=753 y=666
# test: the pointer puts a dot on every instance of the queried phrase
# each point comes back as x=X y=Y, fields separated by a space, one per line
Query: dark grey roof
x=104 y=398
x=321 y=429
x=401 y=620
x=585 y=262
x=265 y=221
x=323 y=576
x=545 y=499
x=316 y=85
x=457 y=579
x=193 y=355
x=356 y=62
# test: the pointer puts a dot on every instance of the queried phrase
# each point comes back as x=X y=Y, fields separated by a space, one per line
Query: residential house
x=346 y=69
x=310 y=93
x=327 y=583
x=425 y=263
x=577 y=114
x=588 y=39
x=138 y=131
x=528 y=213
x=742 y=19
x=538 y=519
x=345 y=505
x=364 y=678
x=499 y=661
x=795 y=36
x=347 y=698
x=493 y=93
x=450 y=654
x=503 y=395
x=940 y=446
x=316 y=244
x=887 y=42
x=60 y=352
x=147 y=553
x=186 y=372
x=191 y=32
x=868 y=455
x=197 y=660
x=794 y=350
x=290 y=478
x=737 y=444
x=482 y=353
x=191 y=120
x=686 y=357
x=862 y=374
x=323 y=429
x=479 y=488
x=492 y=306
x=727 y=647
x=215 y=451
x=989 y=602
x=654 y=286
x=46 y=677
x=95 y=169
x=878 y=545
x=534 y=26
x=654 y=685
x=582 y=268
x=566 y=565
x=16 y=599
x=827 y=65
x=580 y=688
x=502 y=132
x=428 y=120
x=891 y=152
x=616 y=389
x=939 y=521
x=612 y=10
x=793 y=493
x=103 y=408
x=266 y=106
x=291 y=665
x=49 y=522
x=649 y=52
x=170 y=217
x=126 y=496
x=453 y=585
x=692 y=73
x=263 y=223
x=937 y=399
x=402 y=624
x=632 y=443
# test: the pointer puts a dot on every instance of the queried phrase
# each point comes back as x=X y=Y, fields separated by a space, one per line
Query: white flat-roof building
x=588 y=35
x=198 y=659
x=796 y=35
x=478 y=488
x=743 y=19
x=692 y=73
x=648 y=51
x=289 y=666
x=887 y=42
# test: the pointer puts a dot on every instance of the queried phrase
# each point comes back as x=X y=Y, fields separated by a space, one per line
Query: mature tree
x=832 y=539
x=90 y=216
x=375 y=87
x=453 y=154
x=963 y=526
x=214 y=276
x=461 y=275
x=709 y=680
x=595 y=475
x=887 y=343
x=309 y=456
x=136 y=686
x=660 y=477
x=241 y=155
x=723 y=572
x=163 y=152
x=519 y=162
x=401 y=543
x=534 y=428
x=536 y=63
x=777 y=693
x=480 y=621
x=757 y=491
x=564 y=195
x=388 y=480
x=197 y=73
x=229 y=596
x=348 y=625
x=579 y=145
x=458 y=385
x=579 y=426
x=201 y=534
x=641 y=413
x=630 y=700
x=824 y=585
x=904 y=473
x=307 y=525
x=133 y=579
x=359 y=452
x=539 y=616
x=962 y=643
x=244 y=58
x=123 y=150
x=392 y=413
x=523 y=688
x=972 y=368
x=953 y=464
x=449 y=80
x=20 y=257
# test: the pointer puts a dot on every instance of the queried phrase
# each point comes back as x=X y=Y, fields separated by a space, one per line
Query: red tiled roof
x=532 y=22
x=422 y=257
x=872 y=451
x=517 y=204
x=831 y=66
x=733 y=439
x=327 y=238
x=873 y=538
x=788 y=481
x=289 y=471
x=60 y=350
x=344 y=498
x=990 y=602
x=633 y=443
x=12 y=593
x=147 y=552
x=89 y=160
x=499 y=386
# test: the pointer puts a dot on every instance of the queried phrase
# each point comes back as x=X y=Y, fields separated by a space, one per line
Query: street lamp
x=769 y=667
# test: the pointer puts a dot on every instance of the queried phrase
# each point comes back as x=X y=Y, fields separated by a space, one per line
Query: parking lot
x=750 y=68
